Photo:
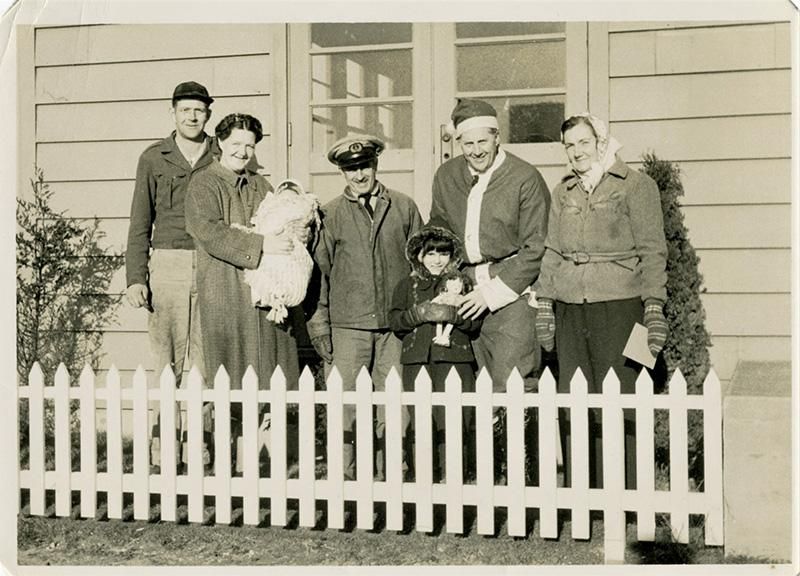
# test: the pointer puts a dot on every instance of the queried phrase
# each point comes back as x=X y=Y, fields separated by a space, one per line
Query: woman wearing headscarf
x=604 y=270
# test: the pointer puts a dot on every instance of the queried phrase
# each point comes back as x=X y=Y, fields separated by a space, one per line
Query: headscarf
x=607 y=148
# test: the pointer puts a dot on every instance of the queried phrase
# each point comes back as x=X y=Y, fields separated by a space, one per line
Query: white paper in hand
x=637 y=349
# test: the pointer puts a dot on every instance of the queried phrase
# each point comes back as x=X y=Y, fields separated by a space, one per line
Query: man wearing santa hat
x=498 y=205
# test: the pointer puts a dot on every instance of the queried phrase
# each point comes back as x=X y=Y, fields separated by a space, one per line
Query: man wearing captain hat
x=498 y=205
x=360 y=253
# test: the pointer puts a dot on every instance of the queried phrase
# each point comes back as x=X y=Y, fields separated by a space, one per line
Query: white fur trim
x=477 y=122
x=497 y=293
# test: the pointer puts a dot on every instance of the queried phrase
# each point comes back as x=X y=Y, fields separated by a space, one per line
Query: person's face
x=361 y=177
x=434 y=261
x=190 y=117
x=479 y=146
x=237 y=149
x=580 y=144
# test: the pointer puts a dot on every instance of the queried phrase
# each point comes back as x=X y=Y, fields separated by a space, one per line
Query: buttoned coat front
x=235 y=333
x=362 y=260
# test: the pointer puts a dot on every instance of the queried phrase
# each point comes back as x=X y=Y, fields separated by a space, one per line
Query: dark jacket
x=421 y=286
x=361 y=261
x=157 y=208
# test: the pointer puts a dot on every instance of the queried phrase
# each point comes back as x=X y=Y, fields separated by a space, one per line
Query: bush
x=688 y=341
x=63 y=275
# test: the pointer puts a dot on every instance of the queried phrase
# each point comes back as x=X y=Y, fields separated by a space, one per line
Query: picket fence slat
x=645 y=460
x=678 y=460
x=247 y=458
x=62 y=433
x=485 y=453
x=114 y=443
x=712 y=438
x=394 y=449
x=613 y=472
x=579 y=437
x=548 y=449
x=240 y=477
x=37 y=440
x=222 y=446
x=454 y=454
x=141 y=452
x=515 y=454
x=278 y=471
x=335 y=462
x=88 y=416
x=307 y=449
x=423 y=458
x=194 y=451
x=364 y=450
x=167 y=441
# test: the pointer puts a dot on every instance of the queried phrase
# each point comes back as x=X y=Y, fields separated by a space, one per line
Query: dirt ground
x=72 y=541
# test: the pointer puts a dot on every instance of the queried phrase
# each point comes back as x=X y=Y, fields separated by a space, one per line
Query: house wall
x=102 y=94
x=716 y=98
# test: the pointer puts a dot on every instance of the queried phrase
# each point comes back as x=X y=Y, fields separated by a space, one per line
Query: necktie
x=366 y=196
x=474 y=181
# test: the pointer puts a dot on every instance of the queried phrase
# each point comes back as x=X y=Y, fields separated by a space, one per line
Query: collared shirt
x=472 y=245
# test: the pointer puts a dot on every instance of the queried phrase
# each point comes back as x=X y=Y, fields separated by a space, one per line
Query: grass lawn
x=72 y=541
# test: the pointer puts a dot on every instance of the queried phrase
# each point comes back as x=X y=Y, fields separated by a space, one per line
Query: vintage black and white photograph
x=398 y=284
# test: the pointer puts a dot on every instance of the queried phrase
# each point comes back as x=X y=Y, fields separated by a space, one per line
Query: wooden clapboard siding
x=126 y=43
x=146 y=119
x=635 y=26
x=716 y=98
x=102 y=95
x=702 y=49
x=226 y=76
x=86 y=198
x=753 y=226
x=700 y=95
x=765 y=271
x=717 y=138
x=103 y=160
x=126 y=350
x=748 y=314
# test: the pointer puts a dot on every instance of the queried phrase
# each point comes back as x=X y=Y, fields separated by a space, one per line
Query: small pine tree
x=63 y=275
x=688 y=341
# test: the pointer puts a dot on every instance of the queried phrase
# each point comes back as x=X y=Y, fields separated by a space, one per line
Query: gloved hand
x=546 y=324
x=429 y=312
x=324 y=347
x=656 y=324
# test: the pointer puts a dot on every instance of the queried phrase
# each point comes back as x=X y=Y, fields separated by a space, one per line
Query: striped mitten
x=657 y=328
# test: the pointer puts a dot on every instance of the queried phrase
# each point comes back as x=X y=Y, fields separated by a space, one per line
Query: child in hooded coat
x=417 y=317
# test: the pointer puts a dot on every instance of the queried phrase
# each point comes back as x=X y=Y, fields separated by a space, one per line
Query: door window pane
x=529 y=119
x=361 y=75
x=511 y=66
x=487 y=29
x=389 y=122
x=359 y=34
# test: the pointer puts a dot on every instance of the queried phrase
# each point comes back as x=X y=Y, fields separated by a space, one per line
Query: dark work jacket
x=418 y=346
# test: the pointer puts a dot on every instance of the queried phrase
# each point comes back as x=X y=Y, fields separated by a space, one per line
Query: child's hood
x=417 y=240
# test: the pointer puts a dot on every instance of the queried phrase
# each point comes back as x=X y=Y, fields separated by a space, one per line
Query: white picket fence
x=612 y=499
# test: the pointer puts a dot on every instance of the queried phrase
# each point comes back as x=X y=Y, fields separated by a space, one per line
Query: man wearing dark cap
x=498 y=205
x=160 y=259
x=361 y=254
